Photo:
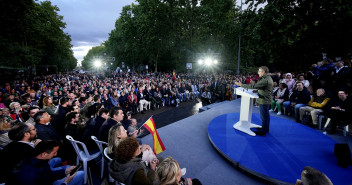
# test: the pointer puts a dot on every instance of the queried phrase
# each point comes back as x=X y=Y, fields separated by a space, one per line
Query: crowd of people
x=36 y=116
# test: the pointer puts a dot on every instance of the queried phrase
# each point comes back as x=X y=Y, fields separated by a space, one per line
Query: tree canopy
x=167 y=34
x=32 y=34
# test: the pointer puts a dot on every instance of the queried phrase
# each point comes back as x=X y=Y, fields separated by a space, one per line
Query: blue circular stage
x=282 y=154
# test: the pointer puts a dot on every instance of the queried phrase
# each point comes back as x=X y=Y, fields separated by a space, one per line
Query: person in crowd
x=44 y=129
x=106 y=101
x=93 y=109
x=16 y=111
x=301 y=78
x=127 y=168
x=4 y=129
x=265 y=90
x=141 y=99
x=72 y=128
x=6 y=115
x=132 y=101
x=206 y=97
x=169 y=172
x=315 y=106
x=289 y=81
x=11 y=98
x=23 y=136
x=48 y=105
x=312 y=176
x=60 y=113
x=299 y=98
x=31 y=112
x=37 y=171
x=280 y=96
x=116 y=116
x=132 y=128
x=92 y=127
x=341 y=110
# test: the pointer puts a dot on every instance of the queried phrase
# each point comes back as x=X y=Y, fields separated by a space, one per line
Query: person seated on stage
x=280 y=96
x=36 y=170
x=299 y=98
x=315 y=106
x=289 y=81
x=312 y=176
x=169 y=172
x=340 y=111
x=128 y=168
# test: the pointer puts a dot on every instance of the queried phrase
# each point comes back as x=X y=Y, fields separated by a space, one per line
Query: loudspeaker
x=343 y=154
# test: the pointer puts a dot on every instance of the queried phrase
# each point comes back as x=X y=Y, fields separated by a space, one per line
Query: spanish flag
x=174 y=75
x=158 y=144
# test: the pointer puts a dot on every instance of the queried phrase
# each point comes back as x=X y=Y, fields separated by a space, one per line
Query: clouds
x=89 y=22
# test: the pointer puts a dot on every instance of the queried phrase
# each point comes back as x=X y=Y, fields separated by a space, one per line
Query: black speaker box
x=343 y=154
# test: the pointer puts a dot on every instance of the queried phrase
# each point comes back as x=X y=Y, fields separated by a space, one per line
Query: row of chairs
x=84 y=156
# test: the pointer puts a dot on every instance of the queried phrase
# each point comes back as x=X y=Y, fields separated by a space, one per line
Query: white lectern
x=247 y=100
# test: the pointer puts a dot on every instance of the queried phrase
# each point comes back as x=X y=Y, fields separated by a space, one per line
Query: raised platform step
x=212 y=106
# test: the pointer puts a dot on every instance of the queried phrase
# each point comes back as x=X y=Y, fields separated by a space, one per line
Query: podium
x=247 y=99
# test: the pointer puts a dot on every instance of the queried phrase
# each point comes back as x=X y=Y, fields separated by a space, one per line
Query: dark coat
x=47 y=132
x=104 y=129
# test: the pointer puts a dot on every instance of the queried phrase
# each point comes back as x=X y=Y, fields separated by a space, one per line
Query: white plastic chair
x=82 y=155
x=345 y=128
x=110 y=178
x=100 y=146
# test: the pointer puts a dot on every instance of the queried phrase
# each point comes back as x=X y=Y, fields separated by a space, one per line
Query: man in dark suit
x=23 y=136
x=116 y=116
x=44 y=129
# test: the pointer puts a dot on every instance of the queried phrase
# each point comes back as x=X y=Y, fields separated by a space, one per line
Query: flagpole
x=145 y=122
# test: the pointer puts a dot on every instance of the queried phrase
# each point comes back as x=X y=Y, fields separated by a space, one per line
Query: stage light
x=97 y=63
x=208 y=61
x=200 y=62
x=215 y=61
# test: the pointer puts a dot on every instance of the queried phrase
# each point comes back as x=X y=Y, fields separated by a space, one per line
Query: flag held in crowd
x=158 y=144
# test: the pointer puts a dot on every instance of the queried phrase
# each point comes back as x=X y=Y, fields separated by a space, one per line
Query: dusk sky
x=89 y=22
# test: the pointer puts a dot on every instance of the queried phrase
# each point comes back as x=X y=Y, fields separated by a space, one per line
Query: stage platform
x=280 y=156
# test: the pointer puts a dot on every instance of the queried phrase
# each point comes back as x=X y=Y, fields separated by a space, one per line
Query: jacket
x=265 y=89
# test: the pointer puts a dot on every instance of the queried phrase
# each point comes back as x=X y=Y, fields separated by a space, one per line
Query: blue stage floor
x=282 y=154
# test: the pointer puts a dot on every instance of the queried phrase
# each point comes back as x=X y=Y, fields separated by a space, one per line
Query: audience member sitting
x=340 y=111
x=142 y=102
x=116 y=134
x=48 y=105
x=16 y=111
x=31 y=112
x=4 y=129
x=169 y=172
x=289 y=81
x=116 y=116
x=44 y=129
x=299 y=98
x=206 y=97
x=312 y=176
x=72 y=128
x=132 y=128
x=280 y=96
x=24 y=140
x=316 y=105
x=36 y=170
x=301 y=78
x=127 y=168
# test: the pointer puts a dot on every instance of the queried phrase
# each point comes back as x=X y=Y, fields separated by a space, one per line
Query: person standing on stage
x=265 y=91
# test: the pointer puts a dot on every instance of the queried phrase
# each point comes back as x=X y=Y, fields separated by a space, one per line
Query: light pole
x=239 y=46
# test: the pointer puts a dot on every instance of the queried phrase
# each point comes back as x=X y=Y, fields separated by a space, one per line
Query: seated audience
x=127 y=168
x=37 y=171
x=280 y=96
x=44 y=129
x=315 y=106
x=299 y=98
x=4 y=129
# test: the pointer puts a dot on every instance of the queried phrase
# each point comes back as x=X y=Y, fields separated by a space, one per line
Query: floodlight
x=215 y=61
x=200 y=61
x=97 y=63
x=208 y=61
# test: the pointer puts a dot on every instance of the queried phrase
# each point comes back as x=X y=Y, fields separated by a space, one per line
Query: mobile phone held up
x=76 y=169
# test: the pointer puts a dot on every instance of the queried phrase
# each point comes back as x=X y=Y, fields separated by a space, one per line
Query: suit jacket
x=33 y=171
x=11 y=155
x=104 y=129
x=47 y=132
x=130 y=99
